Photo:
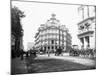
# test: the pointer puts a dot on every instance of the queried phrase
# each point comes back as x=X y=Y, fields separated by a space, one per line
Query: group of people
x=30 y=53
x=58 y=51
x=88 y=52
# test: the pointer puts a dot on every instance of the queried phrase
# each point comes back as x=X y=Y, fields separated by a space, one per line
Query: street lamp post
x=59 y=36
x=62 y=40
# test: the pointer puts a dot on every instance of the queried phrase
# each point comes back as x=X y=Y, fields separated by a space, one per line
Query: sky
x=39 y=13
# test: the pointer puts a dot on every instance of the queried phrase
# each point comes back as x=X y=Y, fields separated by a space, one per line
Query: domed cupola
x=53 y=21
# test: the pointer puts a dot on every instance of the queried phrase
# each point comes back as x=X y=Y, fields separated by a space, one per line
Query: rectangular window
x=52 y=47
x=52 y=41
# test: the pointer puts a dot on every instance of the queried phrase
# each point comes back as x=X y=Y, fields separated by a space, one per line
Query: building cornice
x=85 y=34
x=90 y=18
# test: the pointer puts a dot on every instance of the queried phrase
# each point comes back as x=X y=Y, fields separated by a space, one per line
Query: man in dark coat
x=21 y=53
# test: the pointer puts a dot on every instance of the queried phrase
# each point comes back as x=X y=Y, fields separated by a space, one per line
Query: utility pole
x=59 y=36
x=62 y=42
x=48 y=50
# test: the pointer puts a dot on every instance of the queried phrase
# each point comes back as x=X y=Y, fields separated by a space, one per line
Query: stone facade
x=87 y=33
x=52 y=35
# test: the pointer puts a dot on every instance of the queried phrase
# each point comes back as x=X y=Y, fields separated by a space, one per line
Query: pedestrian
x=27 y=54
x=55 y=52
x=48 y=53
x=21 y=52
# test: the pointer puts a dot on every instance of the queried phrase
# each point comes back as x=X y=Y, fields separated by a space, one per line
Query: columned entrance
x=82 y=43
x=85 y=42
x=88 y=41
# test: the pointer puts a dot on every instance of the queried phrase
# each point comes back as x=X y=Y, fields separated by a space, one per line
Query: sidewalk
x=79 y=60
x=18 y=66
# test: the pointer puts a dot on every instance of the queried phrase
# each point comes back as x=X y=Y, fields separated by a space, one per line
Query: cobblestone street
x=43 y=63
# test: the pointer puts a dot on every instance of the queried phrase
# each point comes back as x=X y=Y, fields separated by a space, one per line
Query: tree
x=16 y=16
x=16 y=27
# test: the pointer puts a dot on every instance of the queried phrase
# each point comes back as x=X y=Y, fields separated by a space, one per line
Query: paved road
x=80 y=60
x=43 y=63
x=18 y=66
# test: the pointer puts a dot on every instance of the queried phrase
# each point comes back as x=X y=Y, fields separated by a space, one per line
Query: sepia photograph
x=52 y=37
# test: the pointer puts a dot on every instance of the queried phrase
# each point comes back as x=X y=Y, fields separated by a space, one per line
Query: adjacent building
x=87 y=31
x=52 y=35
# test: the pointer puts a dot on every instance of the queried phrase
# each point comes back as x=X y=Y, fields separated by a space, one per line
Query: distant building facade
x=75 y=46
x=52 y=35
x=30 y=45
